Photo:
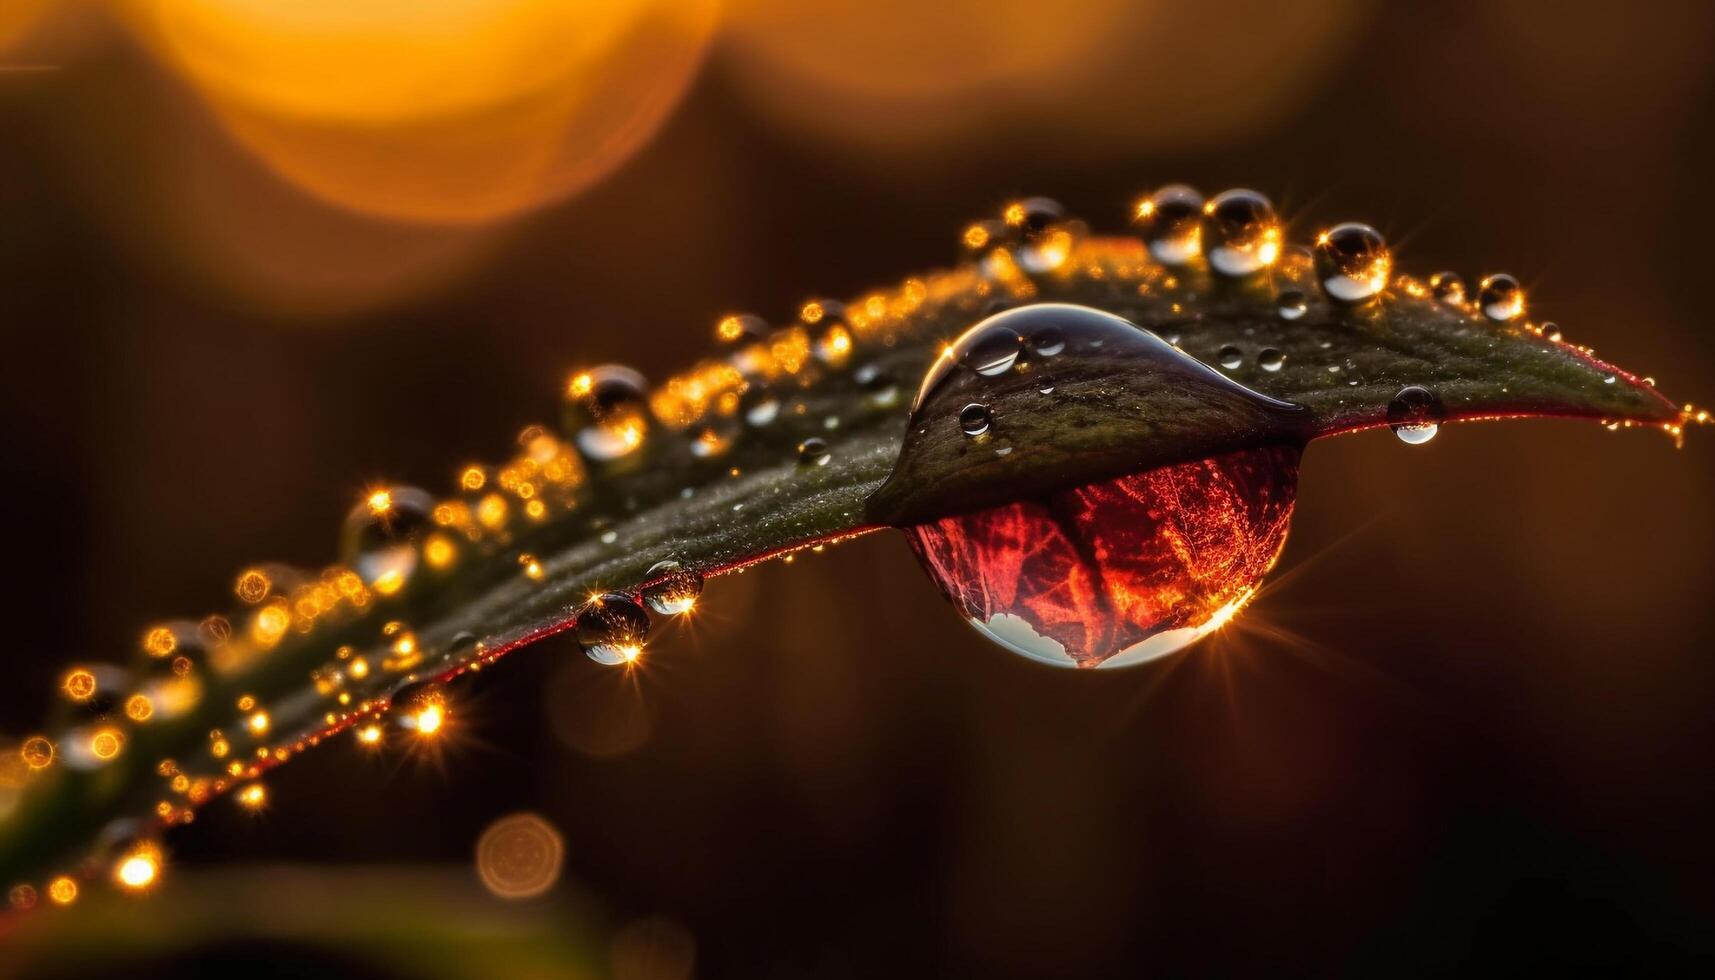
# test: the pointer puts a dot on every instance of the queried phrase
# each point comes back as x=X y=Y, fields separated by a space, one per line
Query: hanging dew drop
x=1501 y=298
x=1171 y=223
x=1241 y=234
x=379 y=538
x=605 y=412
x=1229 y=357
x=612 y=628
x=1291 y=305
x=1415 y=415
x=673 y=589
x=1353 y=262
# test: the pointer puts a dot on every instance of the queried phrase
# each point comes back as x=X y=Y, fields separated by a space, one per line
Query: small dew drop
x=1291 y=305
x=605 y=412
x=1448 y=287
x=1415 y=415
x=813 y=452
x=1229 y=357
x=1047 y=342
x=674 y=589
x=1352 y=262
x=378 y=540
x=1241 y=234
x=1501 y=298
x=994 y=351
x=1171 y=222
x=1270 y=359
x=612 y=628
x=1551 y=331
x=975 y=419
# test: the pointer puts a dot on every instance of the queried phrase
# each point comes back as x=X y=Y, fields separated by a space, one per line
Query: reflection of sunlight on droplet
x=445 y=111
x=653 y=949
x=519 y=856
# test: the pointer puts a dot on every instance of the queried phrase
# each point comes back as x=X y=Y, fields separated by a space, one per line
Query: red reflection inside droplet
x=1122 y=571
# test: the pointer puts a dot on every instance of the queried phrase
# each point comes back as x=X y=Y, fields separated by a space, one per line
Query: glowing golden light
x=380 y=502
x=439 y=111
x=358 y=669
x=139 y=869
x=138 y=707
x=105 y=743
x=258 y=722
x=37 y=752
x=218 y=746
x=253 y=796
x=78 y=684
x=439 y=552
x=429 y=718
x=519 y=856
x=369 y=734
x=252 y=586
x=532 y=568
x=160 y=642
x=389 y=582
x=62 y=890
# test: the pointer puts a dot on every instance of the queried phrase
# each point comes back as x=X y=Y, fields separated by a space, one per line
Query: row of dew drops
x=396 y=536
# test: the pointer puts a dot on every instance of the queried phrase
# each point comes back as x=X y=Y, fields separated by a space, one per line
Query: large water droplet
x=1241 y=235
x=1122 y=571
x=379 y=538
x=1501 y=298
x=1415 y=414
x=1353 y=262
x=1171 y=222
x=605 y=412
x=611 y=628
x=673 y=588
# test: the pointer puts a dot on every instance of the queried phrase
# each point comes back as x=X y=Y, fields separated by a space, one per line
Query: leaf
x=741 y=500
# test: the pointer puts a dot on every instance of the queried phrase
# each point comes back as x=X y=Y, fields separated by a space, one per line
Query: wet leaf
x=725 y=475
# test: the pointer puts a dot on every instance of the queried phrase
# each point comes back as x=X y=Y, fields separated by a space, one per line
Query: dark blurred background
x=244 y=272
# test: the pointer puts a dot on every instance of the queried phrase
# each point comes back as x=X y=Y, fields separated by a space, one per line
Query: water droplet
x=833 y=343
x=1045 y=384
x=419 y=708
x=1353 y=262
x=1171 y=222
x=605 y=412
x=974 y=419
x=758 y=405
x=612 y=628
x=1270 y=359
x=1609 y=379
x=1551 y=331
x=1415 y=414
x=1448 y=287
x=715 y=435
x=1291 y=305
x=1229 y=357
x=1501 y=298
x=674 y=588
x=1241 y=234
x=379 y=538
x=993 y=351
x=813 y=452
x=1103 y=575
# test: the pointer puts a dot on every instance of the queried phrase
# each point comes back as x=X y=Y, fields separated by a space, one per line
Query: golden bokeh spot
x=106 y=743
x=380 y=502
x=22 y=897
x=439 y=552
x=62 y=890
x=138 y=707
x=358 y=669
x=253 y=796
x=976 y=236
x=472 y=478
x=160 y=642
x=258 y=722
x=519 y=856
x=139 y=868
x=37 y=752
x=369 y=734
x=812 y=313
x=78 y=684
x=729 y=329
x=252 y=586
